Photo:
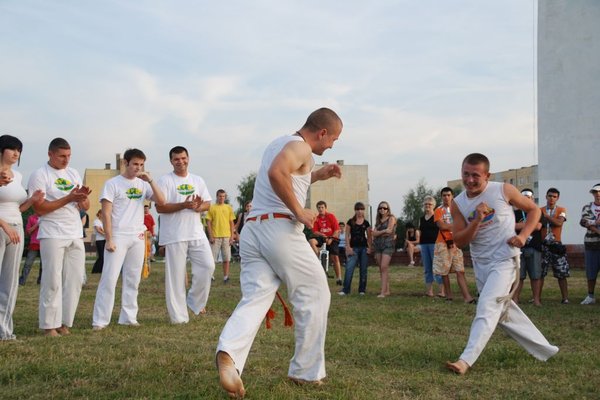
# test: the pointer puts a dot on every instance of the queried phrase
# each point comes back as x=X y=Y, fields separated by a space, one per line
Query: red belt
x=269 y=215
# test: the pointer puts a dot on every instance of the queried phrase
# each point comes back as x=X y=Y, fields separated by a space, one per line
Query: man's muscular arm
x=294 y=158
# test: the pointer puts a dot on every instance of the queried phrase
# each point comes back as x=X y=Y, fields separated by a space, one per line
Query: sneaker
x=565 y=301
x=362 y=293
x=98 y=327
x=226 y=279
x=412 y=263
x=588 y=300
x=342 y=293
x=338 y=282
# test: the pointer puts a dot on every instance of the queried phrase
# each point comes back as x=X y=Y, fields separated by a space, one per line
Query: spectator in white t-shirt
x=61 y=238
x=122 y=201
x=182 y=234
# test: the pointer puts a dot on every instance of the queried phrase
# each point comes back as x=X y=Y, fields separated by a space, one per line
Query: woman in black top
x=411 y=242
x=358 y=238
x=429 y=232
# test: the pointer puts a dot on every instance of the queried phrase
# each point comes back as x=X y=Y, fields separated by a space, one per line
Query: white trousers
x=494 y=280
x=128 y=257
x=10 y=261
x=203 y=266
x=275 y=251
x=60 y=287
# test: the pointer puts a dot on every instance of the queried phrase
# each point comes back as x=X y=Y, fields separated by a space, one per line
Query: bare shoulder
x=511 y=193
x=296 y=156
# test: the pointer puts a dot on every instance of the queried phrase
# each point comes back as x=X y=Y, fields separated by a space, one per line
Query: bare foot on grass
x=459 y=367
x=229 y=376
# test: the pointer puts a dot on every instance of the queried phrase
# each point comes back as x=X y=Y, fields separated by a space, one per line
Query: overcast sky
x=418 y=83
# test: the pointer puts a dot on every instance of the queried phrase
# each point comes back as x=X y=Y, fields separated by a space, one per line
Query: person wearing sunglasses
x=384 y=244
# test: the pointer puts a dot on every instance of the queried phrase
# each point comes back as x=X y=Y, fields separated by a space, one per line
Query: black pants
x=97 y=268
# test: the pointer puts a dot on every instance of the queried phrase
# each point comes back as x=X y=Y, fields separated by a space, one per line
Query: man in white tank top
x=484 y=218
x=274 y=250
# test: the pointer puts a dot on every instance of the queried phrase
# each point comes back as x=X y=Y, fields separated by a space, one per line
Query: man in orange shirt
x=553 y=218
x=446 y=256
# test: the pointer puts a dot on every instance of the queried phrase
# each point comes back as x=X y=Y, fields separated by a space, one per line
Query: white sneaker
x=342 y=293
x=362 y=293
x=588 y=300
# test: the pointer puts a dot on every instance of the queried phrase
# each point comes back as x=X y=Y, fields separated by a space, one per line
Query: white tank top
x=264 y=199
x=490 y=241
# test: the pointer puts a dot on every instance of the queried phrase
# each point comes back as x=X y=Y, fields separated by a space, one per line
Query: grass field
x=392 y=348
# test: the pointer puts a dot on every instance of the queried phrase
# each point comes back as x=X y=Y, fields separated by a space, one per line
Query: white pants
x=495 y=280
x=275 y=251
x=203 y=266
x=60 y=287
x=128 y=254
x=10 y=261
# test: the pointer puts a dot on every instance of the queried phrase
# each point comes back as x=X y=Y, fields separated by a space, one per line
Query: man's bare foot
x=63 y=331
x=229 y=376
x=460 y=367
x=51 y=333
x=203 y=311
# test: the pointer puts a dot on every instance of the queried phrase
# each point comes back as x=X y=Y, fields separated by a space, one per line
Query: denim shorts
x=592 y=264
x=531 y=263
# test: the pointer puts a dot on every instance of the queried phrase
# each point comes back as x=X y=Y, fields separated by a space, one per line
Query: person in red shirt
x=33 y=250
x=149 y=223
x=326 y=229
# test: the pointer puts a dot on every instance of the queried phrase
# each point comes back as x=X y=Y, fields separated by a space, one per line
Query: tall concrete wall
x=569 y=104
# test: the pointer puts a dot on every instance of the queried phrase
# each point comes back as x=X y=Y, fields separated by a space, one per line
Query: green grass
x=392 y=348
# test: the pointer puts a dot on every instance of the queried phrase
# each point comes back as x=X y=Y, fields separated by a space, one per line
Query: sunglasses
x=382 y=208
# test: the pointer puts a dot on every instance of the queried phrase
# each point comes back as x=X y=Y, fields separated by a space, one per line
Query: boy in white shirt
x=122 y=201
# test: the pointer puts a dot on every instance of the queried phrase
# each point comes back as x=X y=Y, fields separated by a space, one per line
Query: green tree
x=245 y=190
x=413 y=201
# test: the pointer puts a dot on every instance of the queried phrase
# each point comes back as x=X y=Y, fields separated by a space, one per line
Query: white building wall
x=569 y=104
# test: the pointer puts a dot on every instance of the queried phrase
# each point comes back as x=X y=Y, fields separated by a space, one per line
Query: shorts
x=592 y=264
x=531 y=263
x=447 y=260
x=223 y=245
x=384 y=245
x=333 y=248
x=559 y=264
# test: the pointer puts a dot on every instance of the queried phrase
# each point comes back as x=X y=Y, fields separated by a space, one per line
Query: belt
x=268 y=216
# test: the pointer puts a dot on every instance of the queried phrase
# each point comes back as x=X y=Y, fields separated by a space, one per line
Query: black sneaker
x=338 y=282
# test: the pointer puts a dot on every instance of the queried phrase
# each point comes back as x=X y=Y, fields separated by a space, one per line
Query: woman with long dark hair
x=13 y=201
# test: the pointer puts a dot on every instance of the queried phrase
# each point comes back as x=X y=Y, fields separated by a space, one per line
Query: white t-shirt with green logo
x=65 y=222
x=185 y=224
x=127 y=197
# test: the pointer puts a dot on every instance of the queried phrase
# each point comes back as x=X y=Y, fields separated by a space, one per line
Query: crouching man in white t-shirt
x=182 y=233
x=61 y=238
x=122 y=201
